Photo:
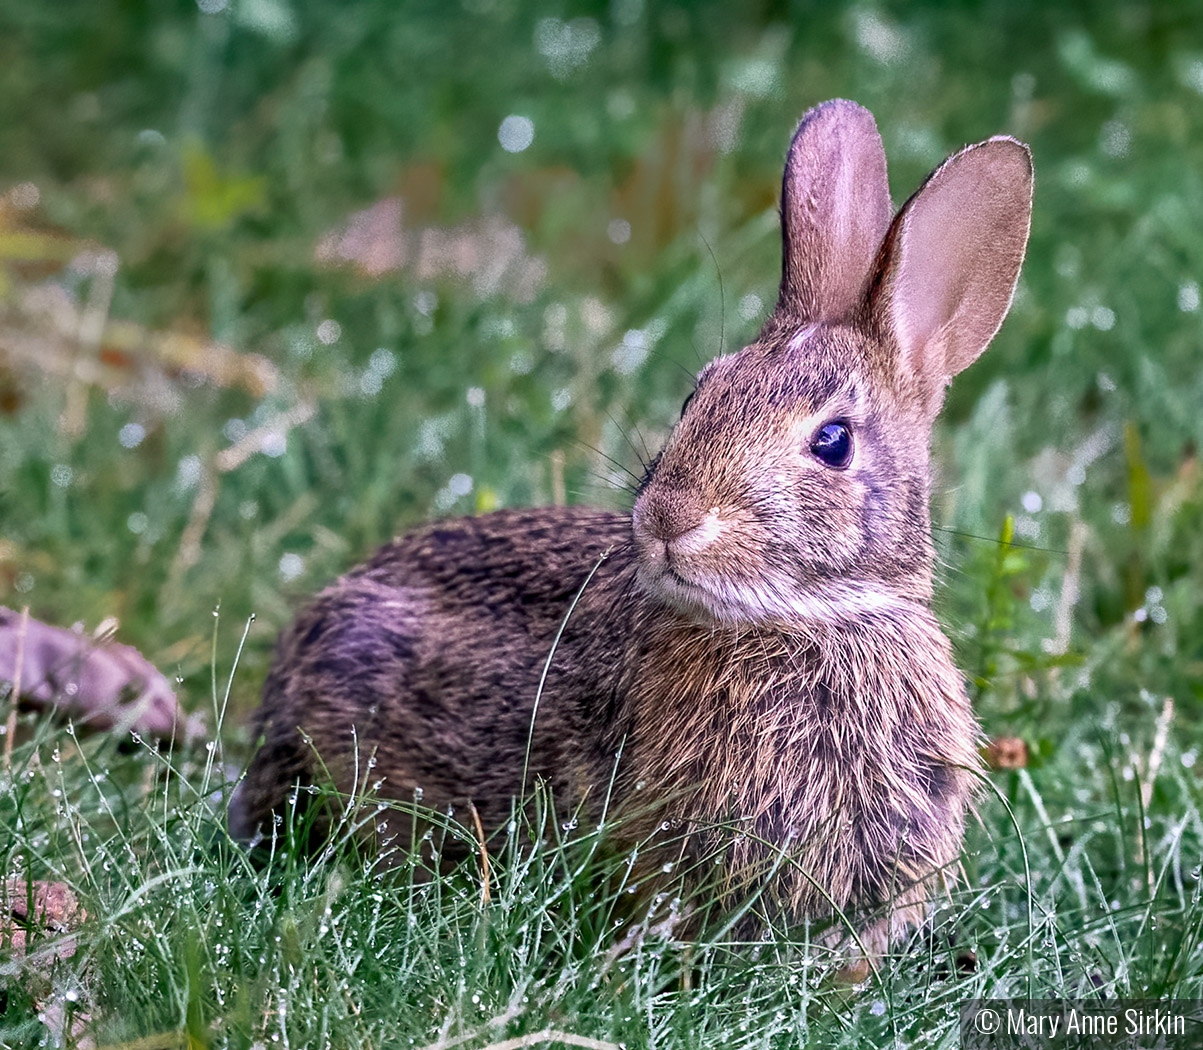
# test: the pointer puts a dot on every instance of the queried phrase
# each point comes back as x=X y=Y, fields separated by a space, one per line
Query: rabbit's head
x=795 y=485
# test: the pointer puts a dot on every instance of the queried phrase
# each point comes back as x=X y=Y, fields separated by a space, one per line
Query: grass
x=210 y=154
x=189 y=942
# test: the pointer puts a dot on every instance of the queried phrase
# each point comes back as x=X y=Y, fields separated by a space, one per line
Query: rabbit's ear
x=948 y=268
x=835 y=210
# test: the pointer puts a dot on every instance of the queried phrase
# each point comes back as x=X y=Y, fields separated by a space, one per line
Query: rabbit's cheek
x=827 y=524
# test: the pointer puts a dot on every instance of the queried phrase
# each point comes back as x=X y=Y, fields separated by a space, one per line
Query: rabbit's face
x=794 y=487
x=791 y=489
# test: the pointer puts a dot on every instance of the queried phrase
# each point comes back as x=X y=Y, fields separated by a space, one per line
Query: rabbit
x=749 y=658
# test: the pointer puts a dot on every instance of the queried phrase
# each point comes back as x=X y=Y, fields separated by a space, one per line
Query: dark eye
x=833 y=445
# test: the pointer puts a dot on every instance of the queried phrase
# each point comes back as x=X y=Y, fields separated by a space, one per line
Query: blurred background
x=280 y=278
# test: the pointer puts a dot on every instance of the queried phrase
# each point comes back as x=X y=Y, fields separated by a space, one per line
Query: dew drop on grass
x=291 y=566
x=619 y=231
x=516 y=133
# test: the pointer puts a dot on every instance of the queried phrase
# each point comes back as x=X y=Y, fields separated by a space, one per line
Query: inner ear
x=835 y=210
x=950 y=262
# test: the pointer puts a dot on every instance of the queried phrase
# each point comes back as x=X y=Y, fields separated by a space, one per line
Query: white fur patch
x=733 y=603
x=848 y=602
x=796 y=341
x=701 y=536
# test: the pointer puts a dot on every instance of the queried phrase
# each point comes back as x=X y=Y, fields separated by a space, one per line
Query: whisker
x=996 y=541
x=643 y=457
x=616 y=463
x=722 y=302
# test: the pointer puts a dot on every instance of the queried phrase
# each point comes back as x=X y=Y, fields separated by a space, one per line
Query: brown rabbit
x=753 y=663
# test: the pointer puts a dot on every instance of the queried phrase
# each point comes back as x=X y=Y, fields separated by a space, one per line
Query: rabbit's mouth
x=708 y=603
x=671 y=586
x=674 y=579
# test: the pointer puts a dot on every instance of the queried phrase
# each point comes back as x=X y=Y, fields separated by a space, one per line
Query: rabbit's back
x=421 y=667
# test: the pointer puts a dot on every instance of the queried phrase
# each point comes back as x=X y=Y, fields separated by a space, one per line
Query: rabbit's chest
x=784 y=759
x=849 y=766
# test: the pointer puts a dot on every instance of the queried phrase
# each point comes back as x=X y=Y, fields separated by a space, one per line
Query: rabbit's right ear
x=835 y=210
x=949 y=265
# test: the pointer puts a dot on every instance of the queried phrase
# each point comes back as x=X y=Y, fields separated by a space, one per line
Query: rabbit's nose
x=667 y=514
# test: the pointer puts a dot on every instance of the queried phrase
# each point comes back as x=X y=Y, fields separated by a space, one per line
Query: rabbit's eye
x=833 y=445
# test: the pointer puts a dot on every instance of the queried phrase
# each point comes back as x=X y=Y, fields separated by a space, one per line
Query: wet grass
x=188 y=944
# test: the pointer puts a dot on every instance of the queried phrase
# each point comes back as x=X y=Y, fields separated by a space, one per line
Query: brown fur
x=754 y=665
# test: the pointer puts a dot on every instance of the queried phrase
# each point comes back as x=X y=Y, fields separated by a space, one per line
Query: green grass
x=185 y=936
x=212 y=153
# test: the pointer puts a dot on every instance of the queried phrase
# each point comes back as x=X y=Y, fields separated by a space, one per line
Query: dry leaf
x=1007 y=752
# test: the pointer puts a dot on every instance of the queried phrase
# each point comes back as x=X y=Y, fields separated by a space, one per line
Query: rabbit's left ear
x=950 y=262
x=835 y=209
